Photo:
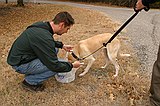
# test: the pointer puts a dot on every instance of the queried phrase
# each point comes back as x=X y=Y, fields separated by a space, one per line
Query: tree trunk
x=20 y=3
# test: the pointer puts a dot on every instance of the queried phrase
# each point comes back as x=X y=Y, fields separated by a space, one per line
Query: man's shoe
x=27 y=86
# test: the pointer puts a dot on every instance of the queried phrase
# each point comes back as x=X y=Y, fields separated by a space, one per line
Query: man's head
x=62 y=23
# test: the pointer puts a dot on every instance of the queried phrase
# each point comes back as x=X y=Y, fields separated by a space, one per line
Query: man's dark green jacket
x=38 y=43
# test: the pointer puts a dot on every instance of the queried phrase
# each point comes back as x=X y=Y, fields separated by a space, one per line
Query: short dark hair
x=63 y=17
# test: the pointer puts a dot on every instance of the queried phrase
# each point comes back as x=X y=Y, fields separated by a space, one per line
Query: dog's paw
x=82 y=74
x=102 y=67
x=115 y=75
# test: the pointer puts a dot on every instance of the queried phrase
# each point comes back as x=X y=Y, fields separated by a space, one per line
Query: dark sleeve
x=58 y=44
x=44 y=47
x=147 y=2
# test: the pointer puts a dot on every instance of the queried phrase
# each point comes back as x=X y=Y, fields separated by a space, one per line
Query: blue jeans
x=35 y=71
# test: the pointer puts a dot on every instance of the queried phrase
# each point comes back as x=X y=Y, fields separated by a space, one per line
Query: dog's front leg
x=91 y=59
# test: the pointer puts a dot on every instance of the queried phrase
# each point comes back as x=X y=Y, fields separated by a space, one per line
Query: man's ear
x=61 y=25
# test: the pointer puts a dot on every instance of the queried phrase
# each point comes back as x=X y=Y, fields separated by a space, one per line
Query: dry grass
x=96 y=88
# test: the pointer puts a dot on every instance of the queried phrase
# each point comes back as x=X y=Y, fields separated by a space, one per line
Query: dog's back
x=93 y=43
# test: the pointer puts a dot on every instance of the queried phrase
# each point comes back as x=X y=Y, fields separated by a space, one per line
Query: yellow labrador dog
x=88 y=46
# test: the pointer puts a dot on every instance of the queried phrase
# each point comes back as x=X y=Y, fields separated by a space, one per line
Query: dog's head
x=71 y=56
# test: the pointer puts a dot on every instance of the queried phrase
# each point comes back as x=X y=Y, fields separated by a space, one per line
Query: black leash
x=121 y=28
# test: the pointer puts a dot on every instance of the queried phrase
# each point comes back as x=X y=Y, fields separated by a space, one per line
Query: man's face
x=63 y=29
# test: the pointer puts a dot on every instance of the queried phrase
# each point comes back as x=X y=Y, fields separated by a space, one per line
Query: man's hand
x=67 y=47
x=76 y=64
x=139 y=5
